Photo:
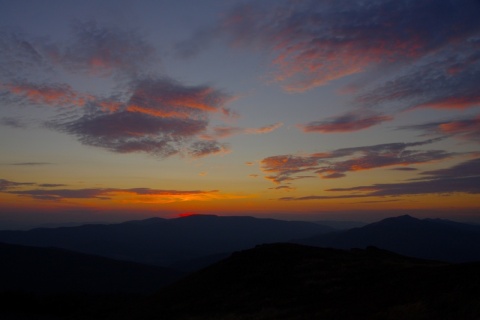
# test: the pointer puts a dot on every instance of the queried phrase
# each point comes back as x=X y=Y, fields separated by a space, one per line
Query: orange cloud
x=467 y=129
x=58 y=95
x=453 y=103
x=221 y=132
x=337 y=163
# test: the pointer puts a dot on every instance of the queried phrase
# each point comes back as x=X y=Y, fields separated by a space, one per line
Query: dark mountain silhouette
x=340 y=224
x=435 y=239
x=51 y=270
x=290 y=281
x=166 y=241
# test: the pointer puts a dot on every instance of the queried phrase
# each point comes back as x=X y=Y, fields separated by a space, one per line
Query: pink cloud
x=221 y=132
x=466 y=129
x=51 y=95
x=336 y=164
x=315 y=42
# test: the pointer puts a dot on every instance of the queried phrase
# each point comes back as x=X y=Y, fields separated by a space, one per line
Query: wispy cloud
x=147 y=194
x=467 y=129
x=57 y=95
x=348 y=122
x=444 y=81
x=12 y=122
x=6 y=185
x=460 y=178
x=19 y=55
x=102 y=50
x=337 y=163
x=314 y=42
x=54 y=192
x=220 y=132
x=148 y=113
x=161 y=117
x=405 y=169
x=30 y=163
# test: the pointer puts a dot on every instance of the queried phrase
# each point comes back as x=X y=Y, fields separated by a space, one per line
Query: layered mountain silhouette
x=289 y=281
x=50 y=283
x=164 y=242
x=268 y=281
x=51 y=270
x=435 y=239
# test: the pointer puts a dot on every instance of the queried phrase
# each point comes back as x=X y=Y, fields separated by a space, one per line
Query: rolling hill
x=289 y=281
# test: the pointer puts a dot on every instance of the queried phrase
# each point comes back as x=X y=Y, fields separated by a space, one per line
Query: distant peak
x=400 y=219
x=405 y=217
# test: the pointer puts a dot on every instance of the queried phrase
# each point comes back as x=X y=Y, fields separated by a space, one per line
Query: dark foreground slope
x=50 y=283
x=289 y=281
x=434 y=239
x=51 y=270
x=164 y=242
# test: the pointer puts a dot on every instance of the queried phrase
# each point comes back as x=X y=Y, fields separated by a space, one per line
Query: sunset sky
x=309 y=110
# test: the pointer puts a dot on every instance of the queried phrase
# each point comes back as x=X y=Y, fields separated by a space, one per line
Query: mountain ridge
x=164 y=242
x=423 y=238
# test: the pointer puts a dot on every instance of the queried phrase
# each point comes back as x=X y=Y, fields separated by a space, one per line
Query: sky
x=303 y=110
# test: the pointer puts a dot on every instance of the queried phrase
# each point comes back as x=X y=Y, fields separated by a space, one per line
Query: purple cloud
x=19 y=55
x=6 y=185
x=445 y=81
x=348 y=122
x=12 y=122
x=466 y=129
x=145 y=194
x=101 y=50
x=337 y=163
x=161 y=117
x=314 y=42
x=460 y=178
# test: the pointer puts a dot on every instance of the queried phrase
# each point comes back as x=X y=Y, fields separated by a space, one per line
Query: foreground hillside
x=288 y=281
x=54 y=283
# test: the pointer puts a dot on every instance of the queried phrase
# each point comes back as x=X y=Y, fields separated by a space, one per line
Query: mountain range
x=435 y=239
x=295 y=279
x=164 y=242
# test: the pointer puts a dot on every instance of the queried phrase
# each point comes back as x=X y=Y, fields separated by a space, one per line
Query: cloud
x=284 y=188
x=348 y=122
x=6 y=185
x=101 y=50
x=441 y=186
x=404 y=169
x=466 y=129
x=138 y=194
x=30 y=163
x=56 y=95
x=161 y=117
x=465 y=169
x=337 y=163
x=265 y=129
x=149 y=114
x=12 y=122
x=314 y=42
x=204 y=148
x=221 y=132
x=460 y=178
x=19 y=55
x=444 y=81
